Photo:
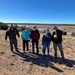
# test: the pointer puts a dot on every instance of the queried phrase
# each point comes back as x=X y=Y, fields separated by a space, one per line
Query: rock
x=1 y=53
x=11 y=64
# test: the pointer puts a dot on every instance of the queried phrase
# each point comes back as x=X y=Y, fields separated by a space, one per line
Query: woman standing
x=47 y=37
x=25 y=38
x=35 y=36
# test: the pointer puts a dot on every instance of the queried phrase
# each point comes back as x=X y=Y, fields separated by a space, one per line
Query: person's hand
x=64 y=30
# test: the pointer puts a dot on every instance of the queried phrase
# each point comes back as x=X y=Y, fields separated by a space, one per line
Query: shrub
x=73 y=34
x=30 y=28
x=43 y=31
x=3 y=26
x=22 y=28
x=15 y=25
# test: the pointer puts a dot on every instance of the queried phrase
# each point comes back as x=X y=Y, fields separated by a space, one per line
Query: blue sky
x=38 y=11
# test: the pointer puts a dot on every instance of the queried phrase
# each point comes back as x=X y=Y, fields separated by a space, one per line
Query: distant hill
x=41 y=24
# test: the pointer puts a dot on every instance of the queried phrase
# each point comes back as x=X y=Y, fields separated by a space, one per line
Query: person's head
x=47 y=30
x=27 y=28
x=55 y=28
x=11 y=25
x=34 y=28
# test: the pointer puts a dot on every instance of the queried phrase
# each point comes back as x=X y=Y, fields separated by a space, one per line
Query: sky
x=37 y=11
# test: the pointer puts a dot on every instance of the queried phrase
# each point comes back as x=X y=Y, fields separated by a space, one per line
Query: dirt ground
x=32 y=64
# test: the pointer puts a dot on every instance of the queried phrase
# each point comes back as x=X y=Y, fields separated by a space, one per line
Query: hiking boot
x=12 y=51
x=63 y=58
x=24 y=51
x=55 y=57
x=17 y=51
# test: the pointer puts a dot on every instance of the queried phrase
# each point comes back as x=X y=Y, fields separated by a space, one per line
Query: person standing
x=11 y=33
x=57 y=41
x=25 y=38
x=35 y=36
x=47 y=37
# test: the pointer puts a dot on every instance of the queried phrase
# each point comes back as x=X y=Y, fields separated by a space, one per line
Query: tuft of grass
x=73 y=34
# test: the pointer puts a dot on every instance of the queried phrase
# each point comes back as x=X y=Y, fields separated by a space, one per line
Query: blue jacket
x=25 y=35
x=47 y=38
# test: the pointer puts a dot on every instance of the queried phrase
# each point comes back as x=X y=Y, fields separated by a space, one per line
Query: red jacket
x=35 y=35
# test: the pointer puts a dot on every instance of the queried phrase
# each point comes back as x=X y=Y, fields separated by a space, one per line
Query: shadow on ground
x=45 y=61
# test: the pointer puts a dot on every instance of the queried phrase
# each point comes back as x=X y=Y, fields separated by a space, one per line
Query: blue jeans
x=46 y=45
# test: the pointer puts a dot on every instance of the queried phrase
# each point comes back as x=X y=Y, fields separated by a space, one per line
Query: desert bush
x=3 y=26
x=15 y=25
x=30 y=28
x=43 y=31
x=22 y=28
x=73 y=34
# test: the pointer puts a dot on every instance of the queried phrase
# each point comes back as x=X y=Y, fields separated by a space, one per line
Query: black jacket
x=11 y=33
x=59 y=34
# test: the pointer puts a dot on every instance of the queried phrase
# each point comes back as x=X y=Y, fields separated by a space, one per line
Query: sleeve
x=63 y=33
x=18 y=33
x=53 y=33
x=31 y=34
x=42 y=39
x=53 y=36
x=38 y=35
x=50 y=38
x=6 y=35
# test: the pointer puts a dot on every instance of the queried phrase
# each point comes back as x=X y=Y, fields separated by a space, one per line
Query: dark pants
x=35 y=42
x=25 y=44
x=13 y=42
x=60 y=48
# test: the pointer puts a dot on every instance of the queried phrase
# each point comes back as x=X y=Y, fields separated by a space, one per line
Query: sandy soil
x=33 y=64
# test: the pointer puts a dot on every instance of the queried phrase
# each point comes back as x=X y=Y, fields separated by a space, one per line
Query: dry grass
x=32 y=64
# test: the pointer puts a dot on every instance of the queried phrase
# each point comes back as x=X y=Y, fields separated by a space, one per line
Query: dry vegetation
x=32 y=64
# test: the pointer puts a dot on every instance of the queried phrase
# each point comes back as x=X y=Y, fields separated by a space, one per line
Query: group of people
x=34 y=36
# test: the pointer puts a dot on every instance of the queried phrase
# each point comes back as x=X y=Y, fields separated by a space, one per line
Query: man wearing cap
x=11 y=33
x=35 y=36
x=25 y=38
x=57 y=41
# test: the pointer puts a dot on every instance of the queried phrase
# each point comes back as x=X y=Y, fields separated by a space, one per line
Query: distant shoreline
x=20 y=24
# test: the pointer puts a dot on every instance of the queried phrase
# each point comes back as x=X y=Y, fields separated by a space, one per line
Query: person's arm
x=18 y=33
x=38 y=35
x=64 y=32
x=50 y=37
x=31 y=34
x=53 y=36
x=6 y=35
x=43 y=40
